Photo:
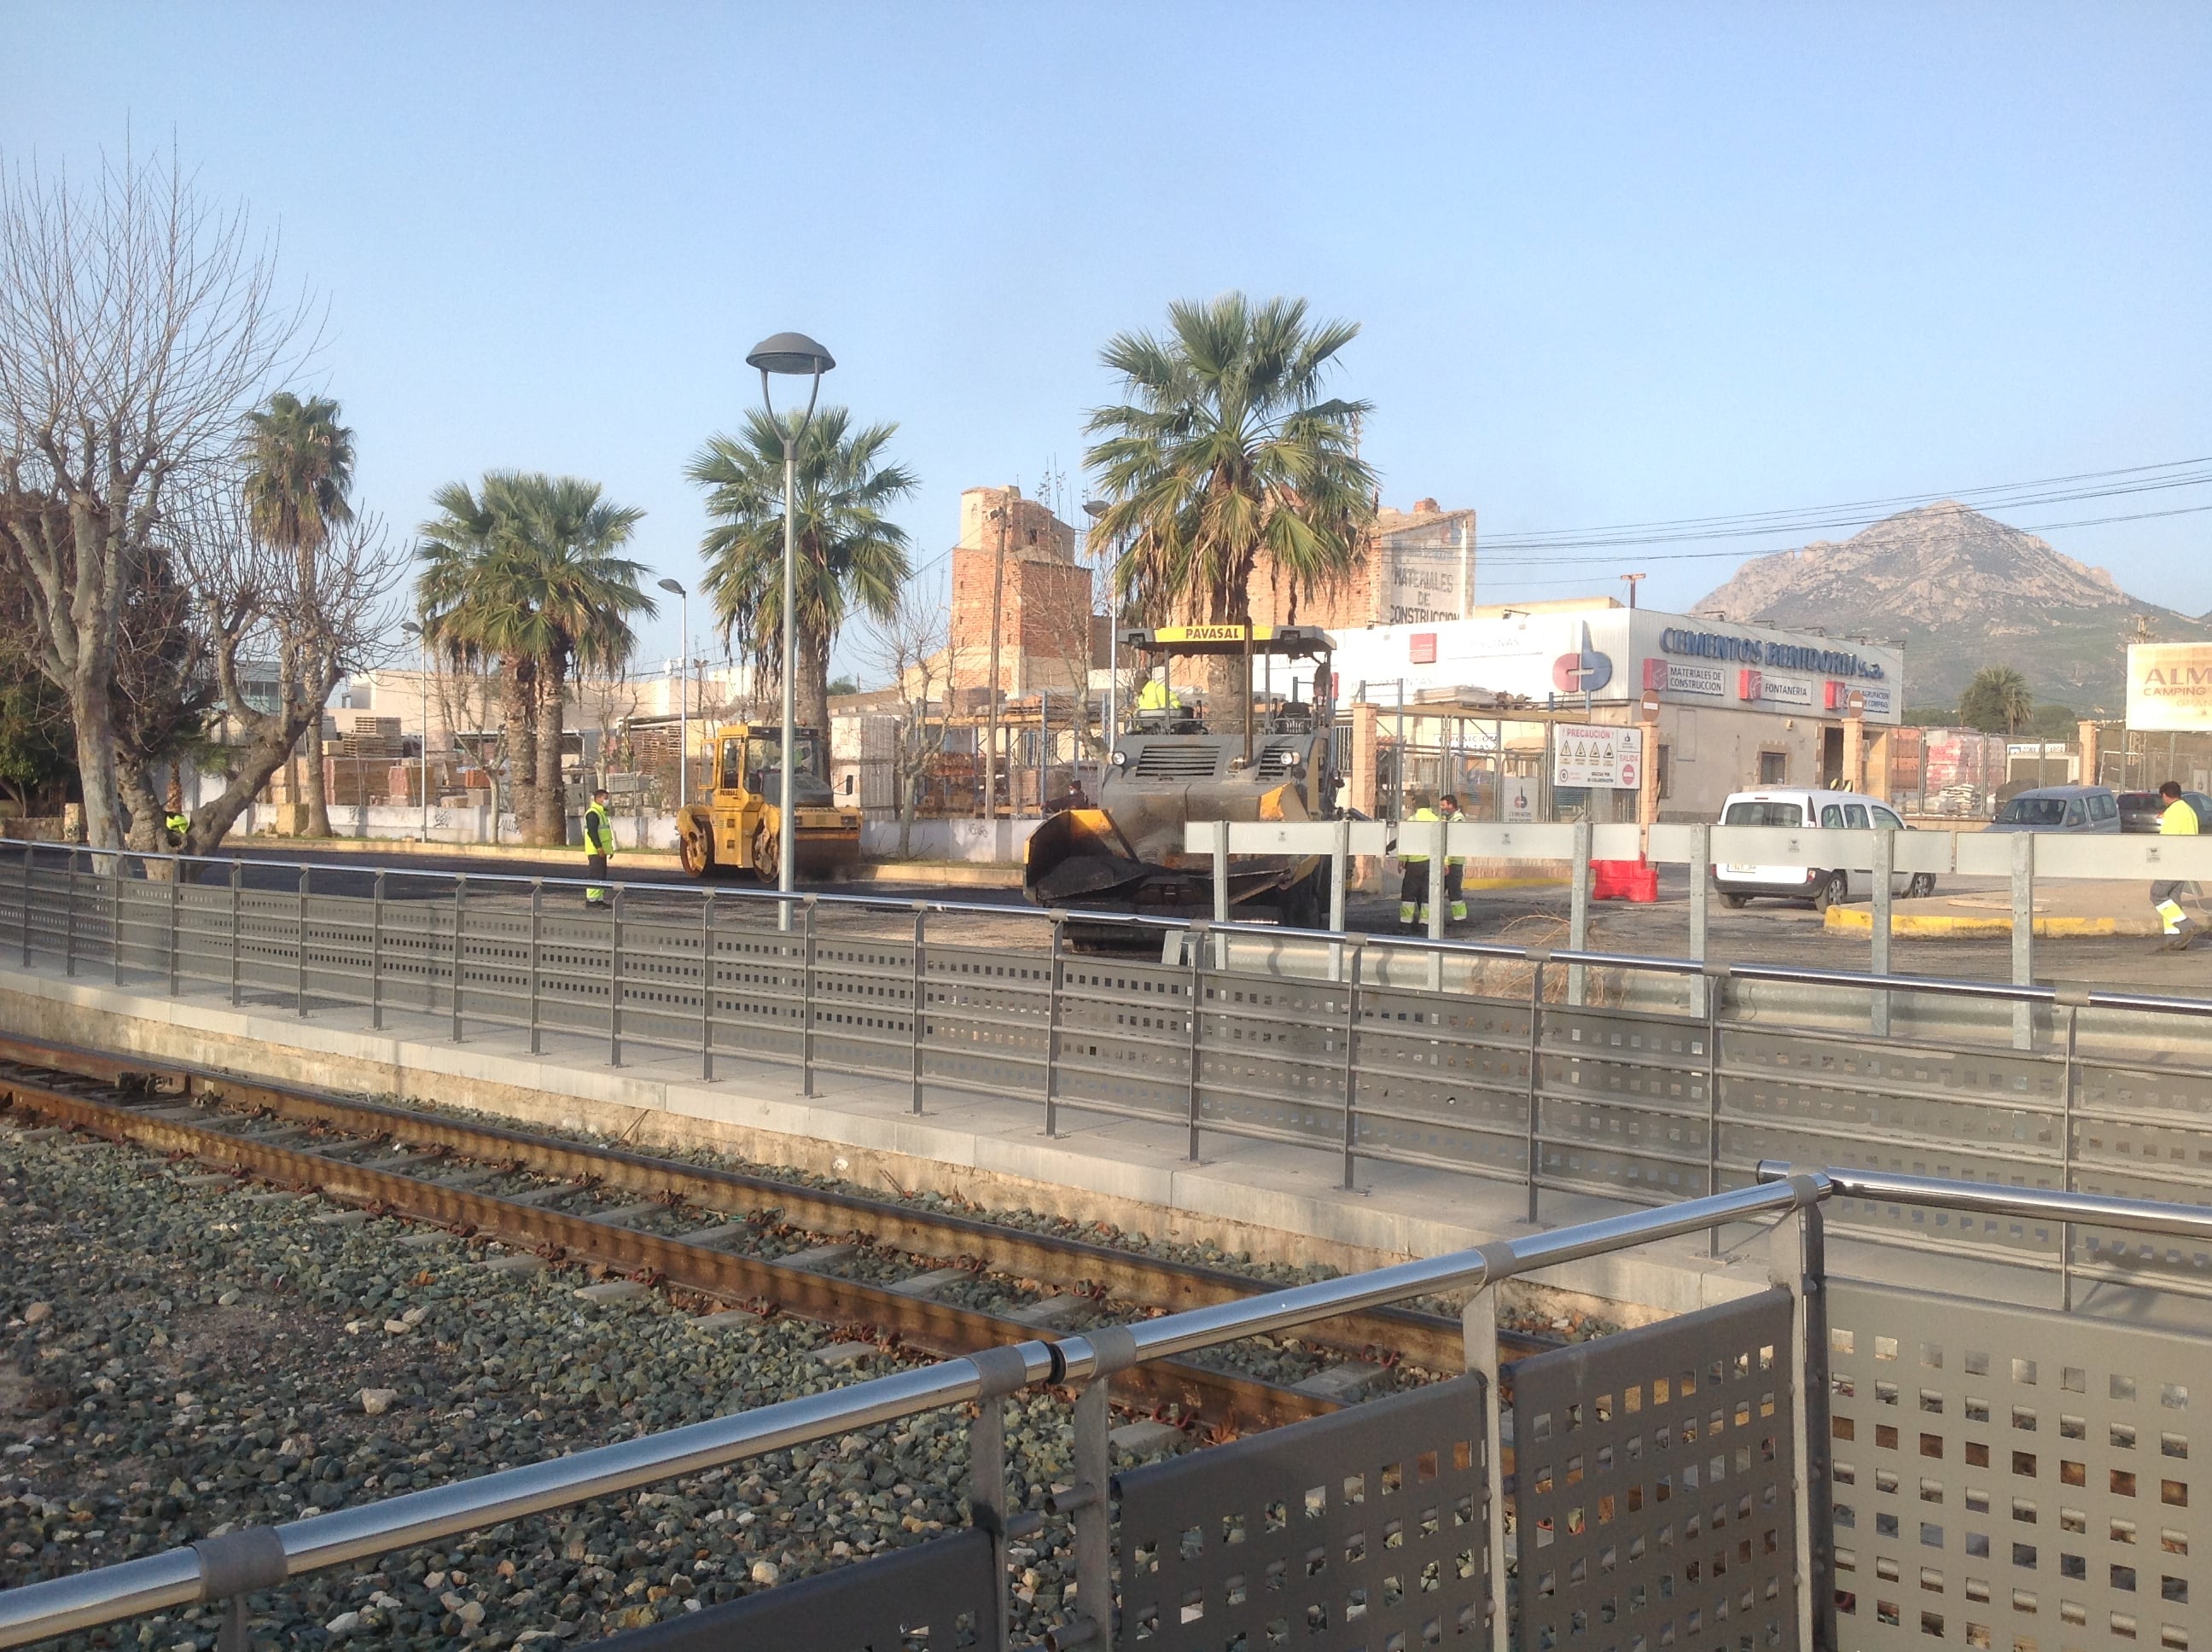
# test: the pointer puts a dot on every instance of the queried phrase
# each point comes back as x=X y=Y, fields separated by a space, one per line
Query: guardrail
x=1743 y=1464
x=1636 y=1079
x=1885 y=857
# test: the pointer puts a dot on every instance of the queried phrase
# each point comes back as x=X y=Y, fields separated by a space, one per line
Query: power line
x=1441 y=552
x=2012 y=494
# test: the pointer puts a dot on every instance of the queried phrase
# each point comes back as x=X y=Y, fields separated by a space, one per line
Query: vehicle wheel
x=1833 y=889
x=696 y=851
x=1922 y=886
x=767 y=855
x=1303 y=906
x=1735 y=902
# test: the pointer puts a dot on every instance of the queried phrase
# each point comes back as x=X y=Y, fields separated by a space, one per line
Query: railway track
x=742 y=1241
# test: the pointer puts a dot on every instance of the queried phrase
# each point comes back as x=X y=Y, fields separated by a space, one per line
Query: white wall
x=949 y=840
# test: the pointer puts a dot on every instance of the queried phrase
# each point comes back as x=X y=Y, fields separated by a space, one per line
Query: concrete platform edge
x=854 y=1137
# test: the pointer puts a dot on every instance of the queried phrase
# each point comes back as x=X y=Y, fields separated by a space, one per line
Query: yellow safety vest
x=598 y=831
x=1155 y=696
x=2179 y=820
x=1423 y=813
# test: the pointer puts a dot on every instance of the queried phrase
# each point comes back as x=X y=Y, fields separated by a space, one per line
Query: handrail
x=2027 y=1204
x=155 y=1583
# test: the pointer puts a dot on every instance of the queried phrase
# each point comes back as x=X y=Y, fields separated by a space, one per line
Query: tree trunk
x=271 y=741
x=318 y=798
x=520 y=710
x=92 y=715
x=813 y=683
x=552 y=829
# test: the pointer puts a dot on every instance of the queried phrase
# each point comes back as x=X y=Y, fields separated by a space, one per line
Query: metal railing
x=1643 y=1079
x=1817 y=1564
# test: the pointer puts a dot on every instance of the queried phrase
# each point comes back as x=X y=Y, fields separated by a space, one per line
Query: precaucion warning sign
x=1588 y=754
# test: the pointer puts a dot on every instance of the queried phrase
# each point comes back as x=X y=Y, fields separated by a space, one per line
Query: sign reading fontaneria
x=1768 y=653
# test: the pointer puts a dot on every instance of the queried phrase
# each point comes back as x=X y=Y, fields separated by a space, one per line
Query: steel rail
x=1221 y=1399
x=1433 y=1341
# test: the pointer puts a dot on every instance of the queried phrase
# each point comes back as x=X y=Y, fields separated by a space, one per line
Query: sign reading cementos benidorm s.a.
x=1769 y=653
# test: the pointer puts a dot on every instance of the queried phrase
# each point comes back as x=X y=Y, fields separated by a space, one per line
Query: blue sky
x=1612 y=263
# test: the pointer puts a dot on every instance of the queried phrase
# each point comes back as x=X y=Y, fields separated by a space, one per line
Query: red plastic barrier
x=1624 y=880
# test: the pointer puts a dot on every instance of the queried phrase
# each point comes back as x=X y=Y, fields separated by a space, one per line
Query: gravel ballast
x=175 y=1360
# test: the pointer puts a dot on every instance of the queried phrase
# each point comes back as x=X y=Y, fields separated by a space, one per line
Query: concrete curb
x=1859 y=921
x=976 y=874
x=447 y=851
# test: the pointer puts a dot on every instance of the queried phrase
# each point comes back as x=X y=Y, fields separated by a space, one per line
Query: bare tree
x=258 y=607
x=471 y=697
x=913 y=647
x=137 y=322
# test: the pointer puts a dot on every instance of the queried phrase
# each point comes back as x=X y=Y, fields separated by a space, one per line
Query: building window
x=1773 y=767
x=1666 y=772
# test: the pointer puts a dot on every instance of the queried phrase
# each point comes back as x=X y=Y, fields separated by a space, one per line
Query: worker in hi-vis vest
x=1455 y=866
x=598 y=846
x=2179 y=820
x=1413 y=877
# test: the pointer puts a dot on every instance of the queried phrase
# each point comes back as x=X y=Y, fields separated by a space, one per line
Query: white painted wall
x=949 y=840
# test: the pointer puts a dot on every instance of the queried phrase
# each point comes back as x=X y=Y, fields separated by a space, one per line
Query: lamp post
x=683 y=689
x=1095 y=509
x=789 y=352
x=422 y=746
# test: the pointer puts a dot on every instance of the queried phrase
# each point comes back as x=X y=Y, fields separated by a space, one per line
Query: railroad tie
x=713 y=1236
x=816 y=1258
x=929 y=1284
x=622 y=1215
x=552 y=1195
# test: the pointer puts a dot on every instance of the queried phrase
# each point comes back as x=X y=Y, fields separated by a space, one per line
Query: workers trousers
x=2165 y=896
x=1414 y=893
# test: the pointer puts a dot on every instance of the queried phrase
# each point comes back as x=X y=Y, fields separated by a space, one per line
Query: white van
x=1783 y=806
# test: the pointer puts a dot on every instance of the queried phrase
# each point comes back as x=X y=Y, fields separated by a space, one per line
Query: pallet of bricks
x=357 y=764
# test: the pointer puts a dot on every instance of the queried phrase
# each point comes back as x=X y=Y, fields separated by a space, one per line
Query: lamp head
x=674 y=588
x=790 y=352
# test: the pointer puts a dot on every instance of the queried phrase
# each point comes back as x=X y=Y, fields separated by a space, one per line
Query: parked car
x=1739 y=883
x=2060 y=809
x=2141 y=811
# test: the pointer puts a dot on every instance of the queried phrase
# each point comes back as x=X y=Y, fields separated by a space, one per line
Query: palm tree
x=1226 y=450
x=470 y=614
x=299 y=471
x=524 y=571
x=850 y=557
x=579 y=596
x=1998 y=699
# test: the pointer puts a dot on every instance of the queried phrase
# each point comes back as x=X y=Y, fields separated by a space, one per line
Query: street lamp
x=422 y=746
x=795 y=353
x=683 y=705
x=1095 y=508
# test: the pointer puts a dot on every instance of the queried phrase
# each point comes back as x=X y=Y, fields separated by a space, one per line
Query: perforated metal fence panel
x=2014 y=1479
x=935 y=1597
x=1656 y=1485
x=1365 y=1529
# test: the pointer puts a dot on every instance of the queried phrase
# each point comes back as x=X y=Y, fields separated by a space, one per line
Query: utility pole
x=1629 y=580
x=1004 y=513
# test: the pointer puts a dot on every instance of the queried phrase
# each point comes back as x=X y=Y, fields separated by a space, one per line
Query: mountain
x=1961 y=591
